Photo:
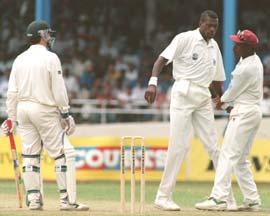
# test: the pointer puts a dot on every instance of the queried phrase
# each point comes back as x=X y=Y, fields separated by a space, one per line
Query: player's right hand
x=5 y=127
x=150 y=94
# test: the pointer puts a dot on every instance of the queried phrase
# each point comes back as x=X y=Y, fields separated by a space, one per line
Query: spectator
x=131 y=76
x=71 y=84
x=88 y=75
x=4 y=83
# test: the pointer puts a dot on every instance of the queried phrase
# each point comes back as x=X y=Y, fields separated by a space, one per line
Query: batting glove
x=68 y=124
x=6 y=129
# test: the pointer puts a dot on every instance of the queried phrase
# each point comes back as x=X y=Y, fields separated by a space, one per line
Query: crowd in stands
x=103 y=46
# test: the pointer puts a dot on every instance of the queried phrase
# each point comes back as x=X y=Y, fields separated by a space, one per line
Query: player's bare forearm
x=158 y=65
x=151 y=91
x=216 y=89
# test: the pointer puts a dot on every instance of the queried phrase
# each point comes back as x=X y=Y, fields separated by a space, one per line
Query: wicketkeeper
x=37 y=103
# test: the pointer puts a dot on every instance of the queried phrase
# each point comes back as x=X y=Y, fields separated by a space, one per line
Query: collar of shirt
x=201 y=39
x=246 y=60
x=37 y=47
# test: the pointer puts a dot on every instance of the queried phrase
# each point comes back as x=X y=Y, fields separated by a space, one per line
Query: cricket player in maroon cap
x=243 y=99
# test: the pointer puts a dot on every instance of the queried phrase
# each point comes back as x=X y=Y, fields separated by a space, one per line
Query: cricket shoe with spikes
x=212 y=204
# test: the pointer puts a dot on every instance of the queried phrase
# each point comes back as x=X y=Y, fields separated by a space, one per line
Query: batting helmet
x=40 y=29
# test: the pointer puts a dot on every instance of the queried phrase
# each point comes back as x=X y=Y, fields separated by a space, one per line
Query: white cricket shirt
x=246 y=86
x=36 y=76
x=194 y=59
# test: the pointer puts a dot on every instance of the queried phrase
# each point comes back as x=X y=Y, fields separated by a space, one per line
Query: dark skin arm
x=216 y=88
x=151 y=91
x=216 y=92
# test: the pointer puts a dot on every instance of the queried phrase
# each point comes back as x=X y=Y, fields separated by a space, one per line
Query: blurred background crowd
x=107 y=48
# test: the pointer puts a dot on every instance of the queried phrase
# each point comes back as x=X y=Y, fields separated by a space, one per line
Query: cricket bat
x=18 y=178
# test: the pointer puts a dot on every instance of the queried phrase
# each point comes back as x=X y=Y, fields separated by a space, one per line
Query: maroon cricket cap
x=245 y=36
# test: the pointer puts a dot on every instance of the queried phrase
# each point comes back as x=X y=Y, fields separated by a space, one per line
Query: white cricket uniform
x=36 y=94
x=245 y=92
x=196 y=64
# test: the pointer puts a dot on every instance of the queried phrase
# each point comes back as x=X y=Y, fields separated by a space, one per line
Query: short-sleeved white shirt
x=194 y=59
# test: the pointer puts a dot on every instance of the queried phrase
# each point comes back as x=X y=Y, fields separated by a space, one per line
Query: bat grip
x=9 y=124
x=10 y=135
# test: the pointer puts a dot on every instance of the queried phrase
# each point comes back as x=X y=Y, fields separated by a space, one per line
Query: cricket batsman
x=37 y=103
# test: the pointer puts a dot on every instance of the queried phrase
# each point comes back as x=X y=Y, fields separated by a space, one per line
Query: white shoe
x=34 y=205
x=34 y=201
x=212 y=204
x=166 y=204
x=250 y=205
x=66 y=206
x=74 y=207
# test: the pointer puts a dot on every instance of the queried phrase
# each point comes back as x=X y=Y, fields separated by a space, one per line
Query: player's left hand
x=68 y=124
x=219 y=104
x=216 y=100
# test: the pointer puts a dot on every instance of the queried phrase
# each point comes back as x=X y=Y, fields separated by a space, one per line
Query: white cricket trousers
x=193 y=110
x=39 y=124
x=243 y=125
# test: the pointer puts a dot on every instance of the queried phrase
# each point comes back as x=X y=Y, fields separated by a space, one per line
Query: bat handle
x=9 y=124
x=10 y=135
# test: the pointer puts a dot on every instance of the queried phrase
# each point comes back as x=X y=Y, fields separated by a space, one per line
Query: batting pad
x=70 y=155
x=31 y=173
x=60 y=172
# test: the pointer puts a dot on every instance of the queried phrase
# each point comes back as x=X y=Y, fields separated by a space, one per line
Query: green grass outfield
x=103 y=199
